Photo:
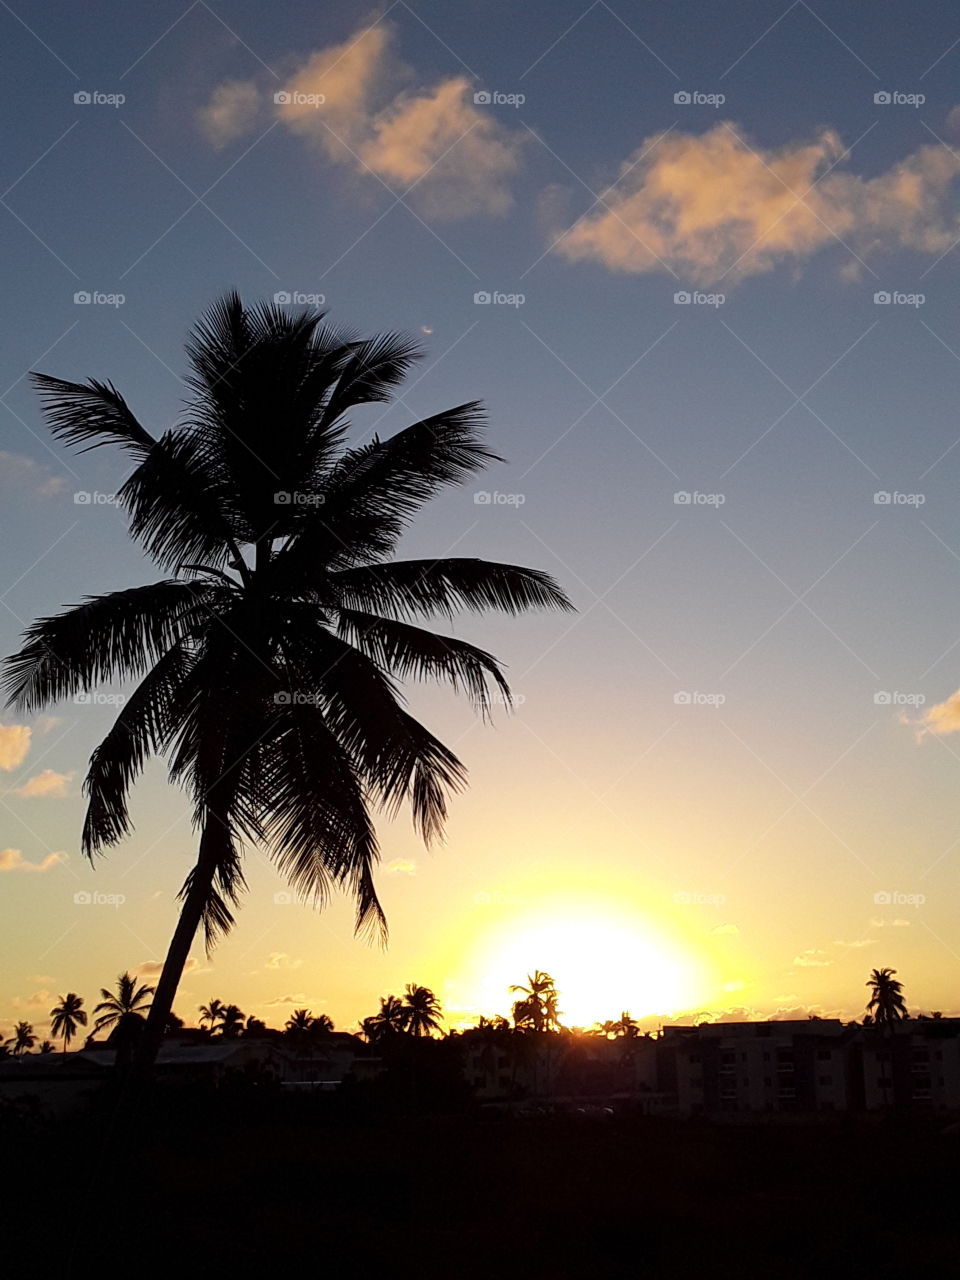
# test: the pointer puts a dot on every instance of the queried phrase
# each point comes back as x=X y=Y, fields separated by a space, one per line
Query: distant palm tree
x=268 y=654
x=211 y=1013
x=231 y=1021
x=130 y=1003
x=22 y=1038
x=537 y=1008
x=421 y=1011
x=299 y=1022
x=886 y=1001
x=67 y=1017
x=322 y=1025
x=47 y=1046
x=386 y=1024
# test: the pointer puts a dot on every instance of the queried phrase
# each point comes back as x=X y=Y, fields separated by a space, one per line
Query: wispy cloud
x=401 y=867
x=49 y=783
x=13 y=860
x=153 y=968
x=14 y=745
x=812 y=958
x=26 y=474
x=280 y=960
x=712 y=206
x=356 y=104
x=939 y=720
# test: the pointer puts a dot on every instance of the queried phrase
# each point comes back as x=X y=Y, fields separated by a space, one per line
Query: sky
x=701 y=262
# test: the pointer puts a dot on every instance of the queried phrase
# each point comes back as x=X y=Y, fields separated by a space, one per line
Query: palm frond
x=411 y=588
x=143 y=726
x=405 y=651
x=91 y=413
x=115 y=636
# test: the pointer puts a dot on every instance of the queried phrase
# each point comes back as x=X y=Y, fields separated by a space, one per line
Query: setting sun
x=604 y=963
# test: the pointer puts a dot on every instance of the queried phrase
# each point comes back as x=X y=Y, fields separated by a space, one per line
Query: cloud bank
x=352 y=103
x=712 y=207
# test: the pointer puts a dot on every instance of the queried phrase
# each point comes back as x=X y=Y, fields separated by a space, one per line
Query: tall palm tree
x=886 y=998
x=387 y=1023
x=268 y=654
x=67 y=1017
x=232 y=1021
x=22 y=1038
x=128 y=1005
x=537 y=1007
x=211 y=1013
x=421 y=1011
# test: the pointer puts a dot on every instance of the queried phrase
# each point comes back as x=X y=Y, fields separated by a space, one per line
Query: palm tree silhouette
x=387 y=1023
x=47 y=1046
x=421 y=1011
x=537 y=1008
x=268 y=654
x=211 y=1013
x=299 y=1022
x=127 y=1006
x=22 y=1038
x=67 y=1016
x=886 y=1001
x=231 y=1021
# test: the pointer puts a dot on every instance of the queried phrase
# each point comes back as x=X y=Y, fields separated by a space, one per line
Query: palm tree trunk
x=191 y=914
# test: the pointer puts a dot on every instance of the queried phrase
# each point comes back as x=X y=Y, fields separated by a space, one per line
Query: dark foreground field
x=566 y=1197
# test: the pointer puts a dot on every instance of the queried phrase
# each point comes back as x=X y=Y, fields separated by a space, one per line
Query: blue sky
x=744 y=841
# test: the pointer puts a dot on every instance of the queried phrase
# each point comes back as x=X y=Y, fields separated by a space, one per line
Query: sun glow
x=602 y=965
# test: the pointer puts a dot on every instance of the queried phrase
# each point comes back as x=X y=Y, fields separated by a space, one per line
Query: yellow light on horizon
x=602 y=965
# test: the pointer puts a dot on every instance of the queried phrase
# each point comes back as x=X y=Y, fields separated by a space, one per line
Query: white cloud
x=45 y=784
x=14 y=745
x=711 y=206
x=280 y=960
x=26 y=474
x=812 y=958
x=352 y=102
x=939 y=720
x=13 y=860
x=298 y=999
x=231 y=112
x=401 y=867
